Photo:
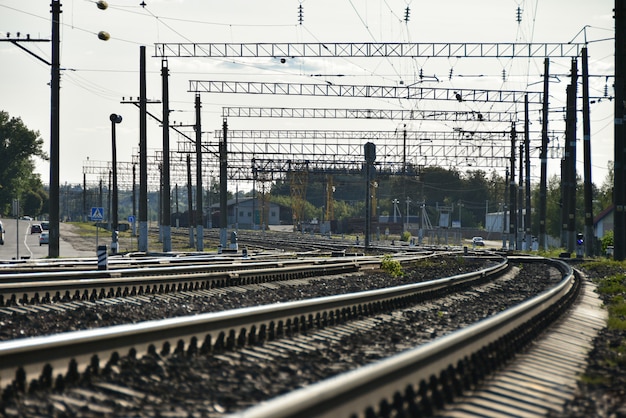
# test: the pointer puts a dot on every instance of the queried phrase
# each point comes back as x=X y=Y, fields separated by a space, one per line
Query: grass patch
x=596 y=380
x=549 y=253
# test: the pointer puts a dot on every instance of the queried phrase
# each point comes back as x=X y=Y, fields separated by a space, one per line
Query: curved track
x=435 y=373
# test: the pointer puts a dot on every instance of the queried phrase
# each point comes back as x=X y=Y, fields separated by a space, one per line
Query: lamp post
x=395 y=209
x=114 y=225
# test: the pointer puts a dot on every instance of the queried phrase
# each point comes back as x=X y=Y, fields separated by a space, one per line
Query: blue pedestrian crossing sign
x=97 y=214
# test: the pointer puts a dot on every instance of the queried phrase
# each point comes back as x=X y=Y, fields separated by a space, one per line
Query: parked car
x=35 y=229
x=44 y=238
x=478 y=241
x=1 y=234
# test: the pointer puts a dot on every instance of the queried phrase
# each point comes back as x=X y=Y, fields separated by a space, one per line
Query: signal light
x=580 y=239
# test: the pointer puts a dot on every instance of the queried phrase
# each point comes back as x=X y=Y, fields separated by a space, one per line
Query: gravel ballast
x=182 y=385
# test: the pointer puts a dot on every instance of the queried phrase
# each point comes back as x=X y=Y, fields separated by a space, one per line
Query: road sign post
x=97 y=215
x=16 y=213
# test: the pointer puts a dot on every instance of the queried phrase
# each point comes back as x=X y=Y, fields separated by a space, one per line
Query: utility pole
x=370 y=156
x=589 y=238
x=134 y=200
x=520 y=199
x=84 y=217
x=166 y=217
x=199 y=193
x=527 y=218
x=55 y=103
x=512 y=193
x=543 y=182
x=619 y=167
x=569 y=182
x=505 y=225
x=143 y=154
x=223 y=149
x=190 y=201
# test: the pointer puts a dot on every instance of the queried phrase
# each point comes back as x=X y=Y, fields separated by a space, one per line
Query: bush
x=406 y=236
x=391 y=266
x=607 y=240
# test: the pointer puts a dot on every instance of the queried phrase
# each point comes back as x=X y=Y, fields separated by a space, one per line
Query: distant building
x=603 y=222
x=246 y=212
x=494 y=221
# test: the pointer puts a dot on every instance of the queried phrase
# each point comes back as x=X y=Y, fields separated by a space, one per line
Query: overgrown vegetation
x=391 y=266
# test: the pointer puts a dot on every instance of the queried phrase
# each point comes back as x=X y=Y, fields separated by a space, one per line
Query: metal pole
x=512 y=194
x=588 y=192
x=134 y=200
x=505 y=228
x=55 y=87
x=619 y=149
x=84 y=217
x=166 y=217
x=143 y=154
x=223 y=150
x=571 y=216
x=520 y=199
x=115 y=119
x=199 y=193
x=527 y=218
x=109 y=196
x=543 y=201
x=190 y=201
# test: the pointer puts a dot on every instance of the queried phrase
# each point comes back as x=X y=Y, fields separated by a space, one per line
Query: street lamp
x=395 y=209
x=114 y=225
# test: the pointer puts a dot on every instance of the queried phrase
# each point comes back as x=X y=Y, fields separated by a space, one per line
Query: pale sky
x=98 y=74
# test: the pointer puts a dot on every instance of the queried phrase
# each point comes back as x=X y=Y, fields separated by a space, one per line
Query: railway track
x=45 y=356
x=53 y=285
x=261 y=319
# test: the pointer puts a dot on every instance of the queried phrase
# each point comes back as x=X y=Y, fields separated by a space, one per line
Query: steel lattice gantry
x=347 y=90
x=381 y=114
x=178 y=170
x=369 y=49
x=276 y=152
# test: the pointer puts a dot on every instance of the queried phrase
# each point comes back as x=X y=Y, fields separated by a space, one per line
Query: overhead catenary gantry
x=368 y=49
x=370 y=91
x=412 y=92
x=382 y=114
x=275 y=151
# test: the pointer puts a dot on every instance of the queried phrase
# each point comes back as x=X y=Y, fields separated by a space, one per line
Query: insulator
x=421 y=73
x=519 y=14
x=503 y=74
x=606 y=90
x=407 y=13
x=300 y=14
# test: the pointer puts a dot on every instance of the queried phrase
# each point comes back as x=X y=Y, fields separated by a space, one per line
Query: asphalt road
x=19 y=243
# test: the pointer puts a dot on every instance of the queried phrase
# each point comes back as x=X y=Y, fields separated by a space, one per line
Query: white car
x=478 y=241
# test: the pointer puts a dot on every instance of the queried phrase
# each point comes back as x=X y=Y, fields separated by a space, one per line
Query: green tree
x=605 y=194
x=18 y=147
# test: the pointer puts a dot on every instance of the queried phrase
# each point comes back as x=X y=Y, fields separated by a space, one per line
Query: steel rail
x=96 y=285
x=40 y=357
x=420 y=374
